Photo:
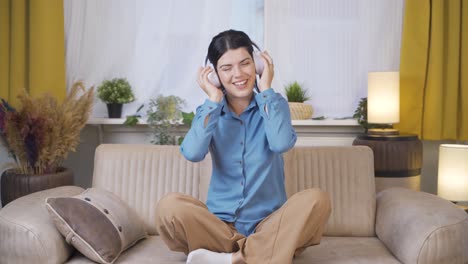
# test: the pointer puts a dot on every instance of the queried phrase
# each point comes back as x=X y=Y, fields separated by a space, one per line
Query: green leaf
x=117 y=90
x=161 y=112
x=295 y=93
x=131 y=120
x=180 y=140
x=188 y=118
x=139 y=108
x=319 y=118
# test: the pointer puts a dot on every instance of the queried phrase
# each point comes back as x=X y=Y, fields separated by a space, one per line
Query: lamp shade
x=383 y=97
x=453 y=172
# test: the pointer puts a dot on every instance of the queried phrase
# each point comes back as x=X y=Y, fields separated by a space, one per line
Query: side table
x=397 y=160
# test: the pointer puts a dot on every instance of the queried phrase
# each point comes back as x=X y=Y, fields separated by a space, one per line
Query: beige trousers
x=185 y=224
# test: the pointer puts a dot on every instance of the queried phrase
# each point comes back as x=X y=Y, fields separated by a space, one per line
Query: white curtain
x=156 y=44
x=330 y=45
x=327 y=45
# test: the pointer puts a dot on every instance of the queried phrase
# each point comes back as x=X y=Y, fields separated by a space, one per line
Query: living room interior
x=344 y=54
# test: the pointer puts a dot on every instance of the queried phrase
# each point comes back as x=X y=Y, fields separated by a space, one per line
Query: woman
x=246 y=218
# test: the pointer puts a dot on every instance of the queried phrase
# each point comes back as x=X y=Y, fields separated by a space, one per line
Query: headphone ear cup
x=258 y=60
x=213 y=77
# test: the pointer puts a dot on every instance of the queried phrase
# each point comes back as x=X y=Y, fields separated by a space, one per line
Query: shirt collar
x=226 y=111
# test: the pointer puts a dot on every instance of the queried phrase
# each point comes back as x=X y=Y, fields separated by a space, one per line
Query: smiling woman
x=232 y=56
x=246 y=134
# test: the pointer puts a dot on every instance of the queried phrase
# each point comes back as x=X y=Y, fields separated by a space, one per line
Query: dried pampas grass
x=43 y=131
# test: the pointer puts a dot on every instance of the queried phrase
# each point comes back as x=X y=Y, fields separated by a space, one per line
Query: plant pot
x=114 y=110
x=300 y=111
x=15 y=185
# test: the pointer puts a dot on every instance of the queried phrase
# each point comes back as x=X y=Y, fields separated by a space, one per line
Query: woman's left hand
x=267 y=76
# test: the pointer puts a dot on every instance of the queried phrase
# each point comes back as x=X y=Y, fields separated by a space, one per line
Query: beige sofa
x=394 y=226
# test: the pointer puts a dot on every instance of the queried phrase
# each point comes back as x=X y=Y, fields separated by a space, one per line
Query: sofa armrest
x=419 y=227
x=28 y=234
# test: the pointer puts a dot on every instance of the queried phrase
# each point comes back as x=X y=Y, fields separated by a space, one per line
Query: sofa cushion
x=419 y=227
x=97 y=223
x=27 y=235
x=149 y=251
x=362 y=250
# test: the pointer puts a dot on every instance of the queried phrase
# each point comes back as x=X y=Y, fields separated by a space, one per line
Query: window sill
x=316 y=132
x=295 y=123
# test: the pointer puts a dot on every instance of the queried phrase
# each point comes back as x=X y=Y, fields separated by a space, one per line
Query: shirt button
x=242 y=183
x=210 y=107
x=241 y=122
x=240 y=161
x=242 y=143
x=264 y=96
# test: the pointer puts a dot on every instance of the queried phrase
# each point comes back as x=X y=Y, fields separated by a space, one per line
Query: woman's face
x=236 y=70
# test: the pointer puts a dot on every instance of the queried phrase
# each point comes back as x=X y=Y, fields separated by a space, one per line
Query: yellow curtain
x=434 y=70
x=32 y=48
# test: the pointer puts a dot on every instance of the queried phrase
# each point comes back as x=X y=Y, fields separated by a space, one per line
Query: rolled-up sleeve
x=196 y=142
x=279 y=131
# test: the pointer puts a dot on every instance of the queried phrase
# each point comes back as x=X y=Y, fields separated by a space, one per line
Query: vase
x=114 y=110
x=300 y=111
x=15 y=185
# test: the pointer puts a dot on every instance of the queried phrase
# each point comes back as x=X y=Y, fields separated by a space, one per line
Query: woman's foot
x=203 y=256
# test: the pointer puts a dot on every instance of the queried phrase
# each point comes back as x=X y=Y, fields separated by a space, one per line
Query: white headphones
x=213 y=77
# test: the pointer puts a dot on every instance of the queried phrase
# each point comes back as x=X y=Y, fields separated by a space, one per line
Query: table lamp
x=383 y=101
x=397 y=157
x=453 y=172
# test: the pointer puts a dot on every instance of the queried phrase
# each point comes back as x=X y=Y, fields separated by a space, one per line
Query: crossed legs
x=185 y=225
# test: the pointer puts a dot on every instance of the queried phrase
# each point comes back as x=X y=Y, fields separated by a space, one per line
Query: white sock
x=203 y=256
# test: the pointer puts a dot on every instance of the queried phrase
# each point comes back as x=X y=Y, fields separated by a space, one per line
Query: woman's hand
x=214 y=93
x=267 y=76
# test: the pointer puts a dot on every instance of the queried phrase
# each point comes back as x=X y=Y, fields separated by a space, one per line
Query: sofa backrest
x=347 y=175
x=142 y=174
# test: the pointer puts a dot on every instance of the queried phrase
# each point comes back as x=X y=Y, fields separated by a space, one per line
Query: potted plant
x=296 y=97
x=164 y=113
x=38 y=135
x=115 y=93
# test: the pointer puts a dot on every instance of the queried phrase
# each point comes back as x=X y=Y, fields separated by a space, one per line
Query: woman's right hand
x=214 y=93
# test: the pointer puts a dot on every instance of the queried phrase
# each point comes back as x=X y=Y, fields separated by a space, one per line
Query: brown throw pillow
x=97 y=223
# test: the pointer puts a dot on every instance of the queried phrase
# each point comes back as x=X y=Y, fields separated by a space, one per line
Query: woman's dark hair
x=226 y=40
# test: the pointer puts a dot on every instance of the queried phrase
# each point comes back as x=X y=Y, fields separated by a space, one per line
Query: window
x=327 y=45
x=330 y=45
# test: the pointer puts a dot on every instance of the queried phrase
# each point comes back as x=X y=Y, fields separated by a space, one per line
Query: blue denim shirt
x=247 y=181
